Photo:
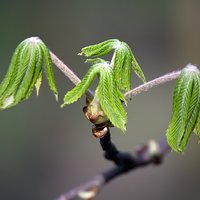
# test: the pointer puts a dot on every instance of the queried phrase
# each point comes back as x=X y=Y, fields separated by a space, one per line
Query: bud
x=94 y=113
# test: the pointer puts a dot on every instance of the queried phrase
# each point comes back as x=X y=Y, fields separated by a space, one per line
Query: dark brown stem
x=151 y=153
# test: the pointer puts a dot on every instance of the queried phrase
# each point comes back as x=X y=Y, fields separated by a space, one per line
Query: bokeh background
x=45 y=150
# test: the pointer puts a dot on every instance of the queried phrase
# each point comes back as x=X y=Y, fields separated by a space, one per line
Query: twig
x=90 y=186
x=150 y=153
x=147 y=86
x=69 y=73
x=142 y=88
x=66 y=70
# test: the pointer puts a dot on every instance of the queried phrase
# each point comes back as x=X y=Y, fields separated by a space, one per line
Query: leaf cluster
x=114 y=77
x=25 y=72
x=186 y=109
x=122 y=61
x=107 y=93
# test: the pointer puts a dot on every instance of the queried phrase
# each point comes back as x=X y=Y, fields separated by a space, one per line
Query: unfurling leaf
x=135 y=65
x=122 y=67
x=82 y=87
x=110 y=99
x=25 y=72
x=49 y=69
x=107 y=102
x=122 y=62
x=186 y=107
x=197 y=126
x=113 y=77
x=100 y=49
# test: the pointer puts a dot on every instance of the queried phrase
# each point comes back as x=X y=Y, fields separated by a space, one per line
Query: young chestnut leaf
x=99 y=49
x=111 y=98
x=49 y=69
x=25 y=72
x=186 y=107
x=82 y=87
x=135 y=65
x=197 y=126
x=122 y=61
x=107 y=102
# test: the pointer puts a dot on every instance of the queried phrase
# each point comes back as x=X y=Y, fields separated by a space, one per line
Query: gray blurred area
x=46 y=150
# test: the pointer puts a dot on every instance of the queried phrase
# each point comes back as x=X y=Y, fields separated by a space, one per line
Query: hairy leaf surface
x=118 y=61
x=186 y=105
x=110 y=99
x=82 y=87
x=136 y=68
x=122 y=61
x=99 y=49
x=197 y=126
x=126 y=72
x=13 y=67
x=25 y=72
x=37 y=77
x=49 y=69
x=107 y=92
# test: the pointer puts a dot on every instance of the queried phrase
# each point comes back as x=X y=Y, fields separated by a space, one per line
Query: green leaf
x=123 y=61
x=49 y=69
x=99 y=49
x=37 y=78
x=25 y=71
x=126 y=73
x=16 y=78
x=110 y=99
x=14 y=66
x=135 y=65
x=18 y=82
x=112 y=78
x=9 y=77
x=118 y=62
x=186 y=105
x=95 y=60
x=107 y=93
x=197 y=126
x=28 y=73
x=82 y=87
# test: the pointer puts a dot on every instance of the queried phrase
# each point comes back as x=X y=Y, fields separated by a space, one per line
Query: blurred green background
x=45 y=150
